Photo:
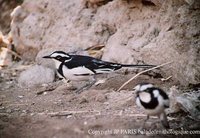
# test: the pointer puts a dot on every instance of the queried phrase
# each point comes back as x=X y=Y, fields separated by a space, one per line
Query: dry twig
x=12 y=52
x=166 y=79
x=127 y=82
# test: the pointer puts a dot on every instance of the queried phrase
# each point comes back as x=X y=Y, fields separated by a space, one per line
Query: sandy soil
x=54 y=110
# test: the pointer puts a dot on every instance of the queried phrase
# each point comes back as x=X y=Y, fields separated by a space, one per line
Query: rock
x=6 y=8
x=174 y=92
x=5 y=55
x=132 y=32
x=189 y=102
x=36 y=75
x=94 y=3
x=45 y=62
x=149 y=41
x=23 y=47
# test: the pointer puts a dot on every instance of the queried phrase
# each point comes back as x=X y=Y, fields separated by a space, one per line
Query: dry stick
x=165 y=79
x=13 y=53
x=127 y=82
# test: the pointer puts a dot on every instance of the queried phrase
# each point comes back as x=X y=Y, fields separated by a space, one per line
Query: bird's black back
x=90 y=63
x=162 y=93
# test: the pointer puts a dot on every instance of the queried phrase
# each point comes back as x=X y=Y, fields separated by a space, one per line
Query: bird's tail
x=138 y=66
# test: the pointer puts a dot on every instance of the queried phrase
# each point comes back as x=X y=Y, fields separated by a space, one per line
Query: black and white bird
x=82 y=68
x=153 y=101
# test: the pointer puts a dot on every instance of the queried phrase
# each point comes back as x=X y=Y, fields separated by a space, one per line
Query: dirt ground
x=54 y=110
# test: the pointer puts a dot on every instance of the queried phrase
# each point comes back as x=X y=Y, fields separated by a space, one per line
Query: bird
x=153 y=101
x=84 y=68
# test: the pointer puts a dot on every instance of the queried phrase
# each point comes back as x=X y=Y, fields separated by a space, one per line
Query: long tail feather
x=139 y=66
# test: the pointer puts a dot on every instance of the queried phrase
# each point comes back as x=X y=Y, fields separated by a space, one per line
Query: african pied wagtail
x=80 y=68
x=153 y=100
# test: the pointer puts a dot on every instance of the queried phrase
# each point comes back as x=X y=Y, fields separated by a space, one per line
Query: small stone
x=1 y=108
x=45 y=93
x=106 y=103
x=16 y=109
x=20 y=96
x=101 y=98
x=24 y=111
x=9 y=111
x=36 y=75
x=32 y=114
x=83 y=100
x=59 y=102
x=69 y=116
x=85 y=123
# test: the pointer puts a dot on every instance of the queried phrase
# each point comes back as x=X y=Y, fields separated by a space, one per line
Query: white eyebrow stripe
x=146 y=86
x=59 y=54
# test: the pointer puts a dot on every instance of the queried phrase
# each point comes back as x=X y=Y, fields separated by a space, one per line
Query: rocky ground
x=54 y=110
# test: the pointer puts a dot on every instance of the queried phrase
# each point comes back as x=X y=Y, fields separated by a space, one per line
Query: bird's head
x=141 y=91
x=142 y=87
x=59 y=56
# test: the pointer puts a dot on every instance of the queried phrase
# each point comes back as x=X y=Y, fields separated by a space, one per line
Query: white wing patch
x=104 y=70
x=156 y=93
x=81 y=70
x=145 y=97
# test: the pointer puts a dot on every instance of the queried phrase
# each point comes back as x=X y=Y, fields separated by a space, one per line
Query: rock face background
x=6 y=7
x=132 y=31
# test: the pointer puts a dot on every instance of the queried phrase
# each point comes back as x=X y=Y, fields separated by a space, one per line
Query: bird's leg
x=154 y=124
x=145 y=122
x=66 y=80
x=163 y=120
x=87 y=86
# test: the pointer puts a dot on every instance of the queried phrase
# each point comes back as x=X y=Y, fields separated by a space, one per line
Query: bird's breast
x=145 y=97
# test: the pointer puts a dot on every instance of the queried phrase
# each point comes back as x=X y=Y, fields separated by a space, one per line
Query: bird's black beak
x=46 y=57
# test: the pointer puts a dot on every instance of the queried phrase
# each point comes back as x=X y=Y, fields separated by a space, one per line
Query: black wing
x=91 y=63
x=163 y=94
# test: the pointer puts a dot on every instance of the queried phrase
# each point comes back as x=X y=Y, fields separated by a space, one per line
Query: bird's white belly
x=77 y=74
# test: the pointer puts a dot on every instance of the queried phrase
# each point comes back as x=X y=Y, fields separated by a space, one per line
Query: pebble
x=8 y=111
x=45 y=93
x=20 y=96
x=83 y=100
x=101 y=98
